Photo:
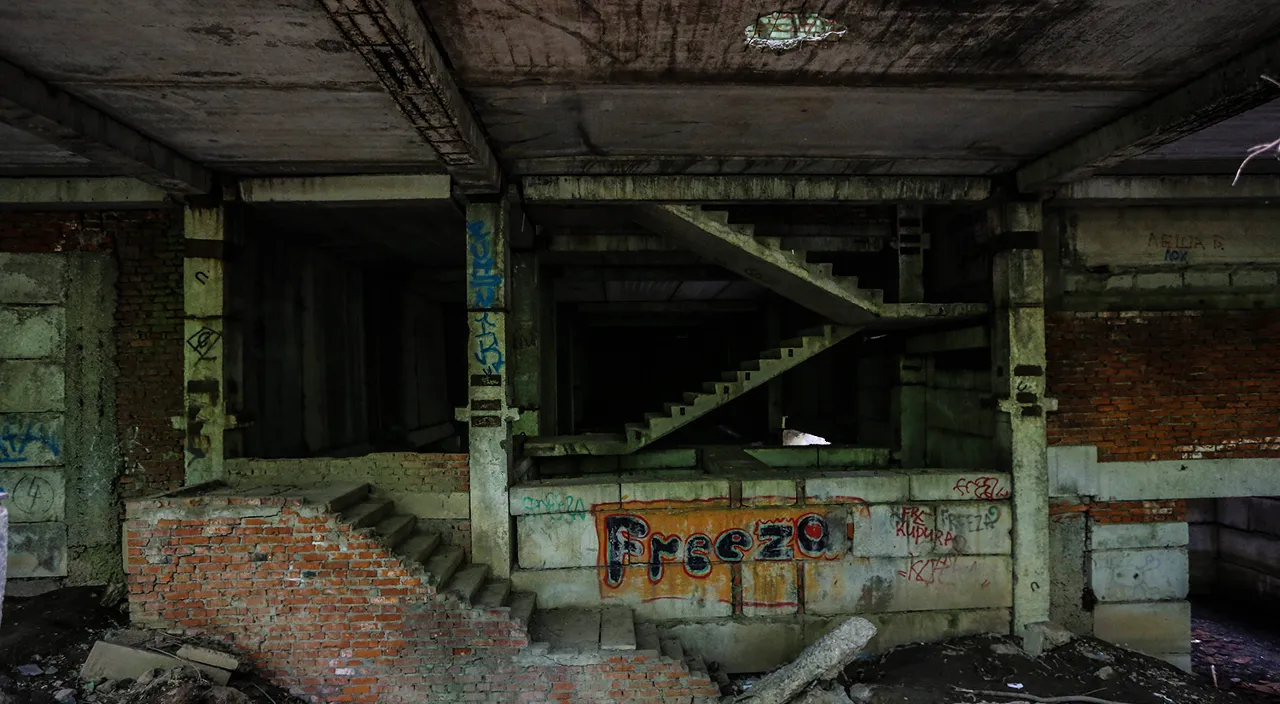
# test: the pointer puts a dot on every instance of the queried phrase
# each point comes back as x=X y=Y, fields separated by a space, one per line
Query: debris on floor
x=73 y=646
x=1233 y=643
x=991 y=669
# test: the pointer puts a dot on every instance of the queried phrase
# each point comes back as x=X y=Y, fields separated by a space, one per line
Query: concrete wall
x=1236 y=544
x=959 y=417
x=1165 y=258
x=779 y=557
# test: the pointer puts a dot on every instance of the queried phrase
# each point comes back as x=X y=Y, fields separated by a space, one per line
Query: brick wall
x=1147 y=386
x=1113 y=512
x=327 y=612
x=149 y=349
x=59 y=231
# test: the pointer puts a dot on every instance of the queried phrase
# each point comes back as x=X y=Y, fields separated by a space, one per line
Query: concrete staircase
x=695 y=404
x=709 y=233
x=581 y=633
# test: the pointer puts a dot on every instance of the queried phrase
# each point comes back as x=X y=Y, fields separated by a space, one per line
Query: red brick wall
x=149 y=348
x=1172 y=511
x=327 y=612
x=1166 y=386
x=148 y=246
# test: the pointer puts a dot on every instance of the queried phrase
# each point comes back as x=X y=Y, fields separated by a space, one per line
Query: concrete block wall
x=87 y=309
x=1143 y=386
x=1237 y=548
x=960 y=420
x=713 y=556
x=328 y=612
x=1121 y=574
x=435 y=487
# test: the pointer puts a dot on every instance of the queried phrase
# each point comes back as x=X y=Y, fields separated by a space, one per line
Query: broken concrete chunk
x=822 y=659
x=120 y=662
x=1043 y=636
x=860 y=692
x=30 y=670
x=207 y=656
x=226 y=695
x=65 y=696
x=1105 y=673
x=818 y=695
x=1006 y=649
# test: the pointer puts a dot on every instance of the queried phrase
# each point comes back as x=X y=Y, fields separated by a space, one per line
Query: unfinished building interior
x=405 y=348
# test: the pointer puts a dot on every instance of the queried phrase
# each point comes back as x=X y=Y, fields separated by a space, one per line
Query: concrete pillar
x=1018 y=374
x=909 y=410
x=910 y=242
x=489 y=412
x=526 y=342
x=211 y=352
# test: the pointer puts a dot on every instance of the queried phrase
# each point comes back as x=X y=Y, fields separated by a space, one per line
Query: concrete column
x=775 y=388
x=209 y=356
x=910 y=242
x=490 y=412
x=910 y=409
x=526 y=342
x=1018 y=374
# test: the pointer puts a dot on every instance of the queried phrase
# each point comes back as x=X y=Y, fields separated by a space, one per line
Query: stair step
x=819 y=331
x=647 y=637
x=656 y=416
x=396 y=528
x=444 y=563
x=696 y=663
x=822 y=268
x=617 y=628
x=493 y=594
x=369 y=512
x=676 y=410
x=568 y=628
x=720 y=216
x=338 y=497
x=774 y=242
x=466 y=582
x=672 y=649
x=419 y=546
x=522 y=605
x=793 y=343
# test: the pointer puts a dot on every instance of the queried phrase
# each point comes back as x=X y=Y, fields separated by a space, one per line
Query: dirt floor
x=45 y=639
x=931 y=674
x=1239 y=644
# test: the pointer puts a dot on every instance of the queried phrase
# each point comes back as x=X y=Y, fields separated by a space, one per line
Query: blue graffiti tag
x=489 y=353
x=19 y=437
x=484 y=279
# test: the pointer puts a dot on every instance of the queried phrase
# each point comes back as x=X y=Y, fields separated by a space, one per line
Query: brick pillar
x=1018 y=363
x=211 y=350
x=489 y=412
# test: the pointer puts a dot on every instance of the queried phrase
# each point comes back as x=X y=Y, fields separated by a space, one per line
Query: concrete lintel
x=416 y=75
x=970 y=338
x=35 y=106
x=374 y=188
x=1166 y=190
x=113 y=192
x=1225 y=91
x=1076 y=471
x=728 y=189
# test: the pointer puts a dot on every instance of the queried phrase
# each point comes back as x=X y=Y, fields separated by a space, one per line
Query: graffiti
x=972 y=522
x=1185 y=243
x=34 y=496
x=986 y=488
x=24 y=439
x=560 y=507
x=204 y=342
x=782 y=31
x=488 y=347
x=911 y=524
x=927 y=571
x=202 y=277
x=484 y=278
x=630 y=539
x=1176 y=255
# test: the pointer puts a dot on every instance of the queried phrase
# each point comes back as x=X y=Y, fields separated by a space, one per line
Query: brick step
x=466 y=582
x=443 y=563
x=368 y=512
x=617 y=628
x=493 y=594
x=396 y=528
x=522 y=605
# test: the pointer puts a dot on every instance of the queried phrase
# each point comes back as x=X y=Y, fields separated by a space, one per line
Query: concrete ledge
x=568 y=496
x=709 y=491
x=1152 y=628
x=84 y=191
x=1139 y=535
x=856 y=487
x=346 y=189
x=960 y=486
x=1075 y=470
x=769 y=492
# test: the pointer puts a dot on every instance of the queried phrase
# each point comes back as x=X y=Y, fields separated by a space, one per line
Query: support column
x=1018 y=373
x=211 y=352
x=910 y=242
x=526 y=343
x=489 y=413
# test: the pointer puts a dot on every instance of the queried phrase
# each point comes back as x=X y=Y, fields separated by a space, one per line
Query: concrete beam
x=396 y=43
x=1167 y=190
x=1225 y=91
x=1075 y=471
x=729 y=189
x=380 y=188
x=656 y=243
x=80 y=191
x=35 y=106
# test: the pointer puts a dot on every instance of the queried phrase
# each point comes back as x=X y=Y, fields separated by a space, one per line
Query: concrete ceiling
x=659 y=86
